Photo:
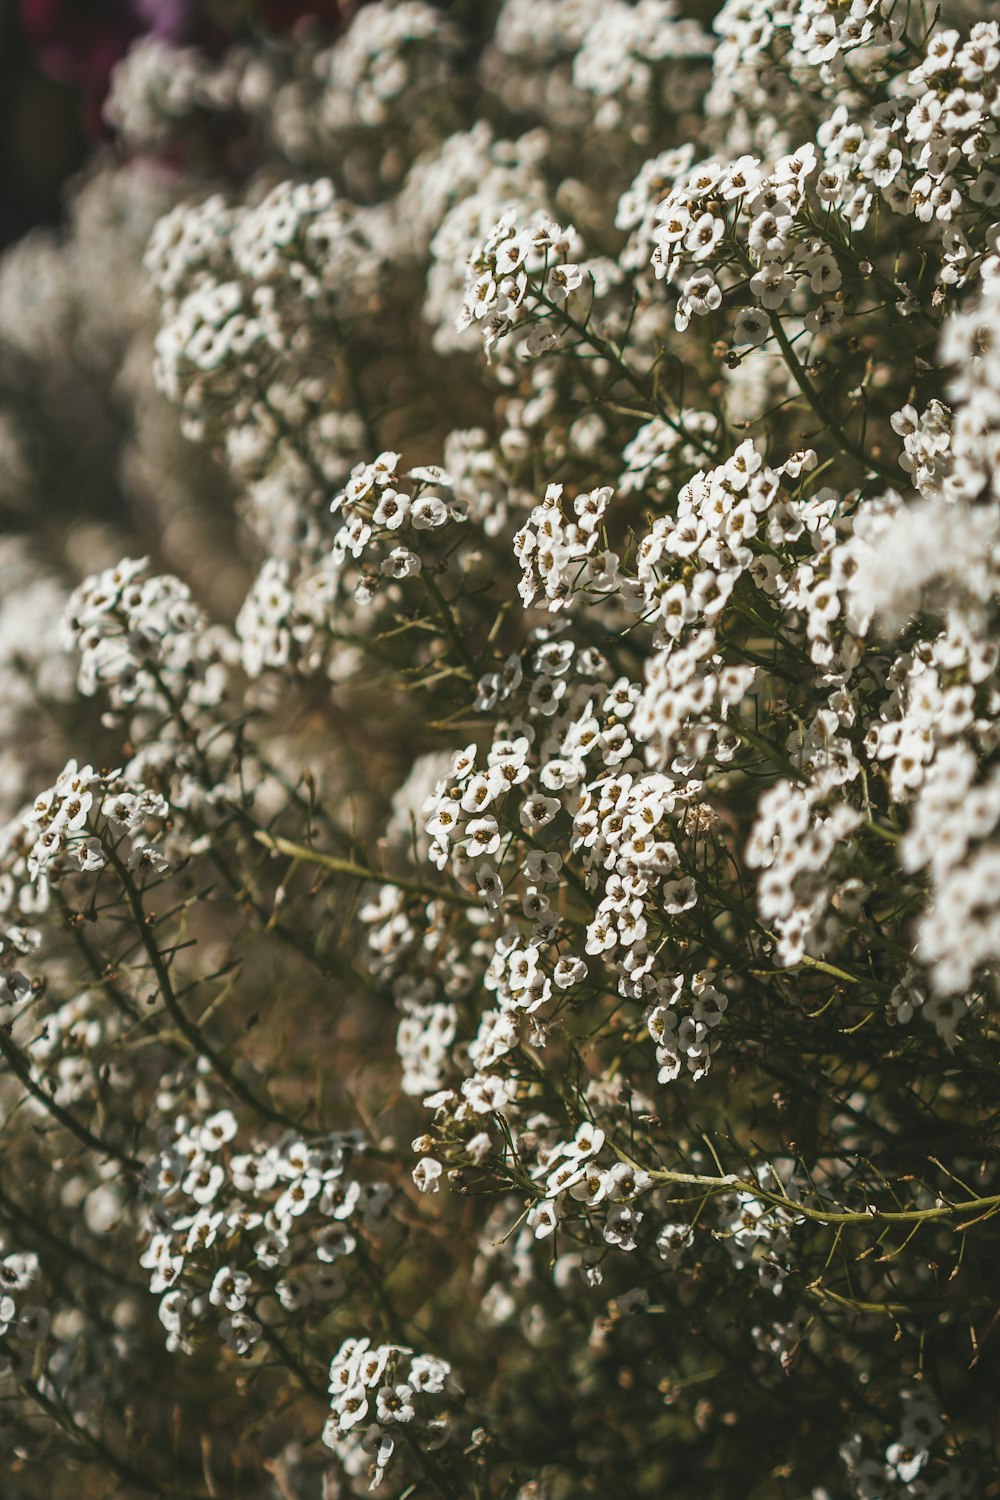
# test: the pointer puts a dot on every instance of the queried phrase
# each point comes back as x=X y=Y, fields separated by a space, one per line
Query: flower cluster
x=515 y=272
x=143 y=641
x=80 y=823
x=388 y=1388
x=548 y=909
x=228 y=1228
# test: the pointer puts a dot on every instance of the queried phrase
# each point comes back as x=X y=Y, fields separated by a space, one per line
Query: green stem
x=361 y=872
x=185 y=1026
x=443 y=609
x=608 y=351
x=731 y=1183
x=20 y=1067
x=830 y=423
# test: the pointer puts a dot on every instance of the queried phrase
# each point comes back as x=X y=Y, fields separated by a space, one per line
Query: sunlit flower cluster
x=513 y=1015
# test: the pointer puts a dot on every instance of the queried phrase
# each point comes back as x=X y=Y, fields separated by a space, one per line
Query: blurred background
x=43 y=136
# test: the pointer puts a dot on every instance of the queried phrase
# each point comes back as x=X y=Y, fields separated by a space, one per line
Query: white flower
x=772 y=285
x=704 y=235
x=587 y=1141
x=542 y=1218
x=352 y=1407
x=394 y=1403
x=240 y=1332
x=218 y=1130
x=489 y=886
x=428 y=1374
x=672 y=1241
x=621 y=1226
x=145 y=857
x=770 y=234
x=752 y=327
x=428 y=512
x=229 y=1289
x=482 y=837
x=568 y=972
x=625 y=1182
x=537 y=811
x=400 y=562
x=487 y=1093
x=392 y=509
x=380 y=1446
x=561 y=281
x=542 y=867
x=427 y=1174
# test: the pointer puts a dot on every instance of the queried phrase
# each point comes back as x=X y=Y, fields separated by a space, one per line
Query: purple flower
x=169 y=19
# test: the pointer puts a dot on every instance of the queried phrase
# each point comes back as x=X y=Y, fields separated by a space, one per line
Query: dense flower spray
x=500 y=855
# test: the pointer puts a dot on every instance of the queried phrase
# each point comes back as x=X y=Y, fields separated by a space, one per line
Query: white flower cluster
x=758 y=1236
x=284 y=620
x=794 y=841
x=228 y=1228
x=391 y=60
x=374 y=513
x=387 y=1387
x=595 y=65
x=738 y=214
x=23 y=1324
x=563 y=559
x=156 y=86
x=252 y=298
x=684 y=1025
x=514 y=272
x=452 y=199
x=78 y=824
x=71 y=1050
x=144 y=642
x=601 y=806
x=630 y=52
x=905 y=1461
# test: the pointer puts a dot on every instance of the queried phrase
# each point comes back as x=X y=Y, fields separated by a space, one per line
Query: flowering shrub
x=513 y=1014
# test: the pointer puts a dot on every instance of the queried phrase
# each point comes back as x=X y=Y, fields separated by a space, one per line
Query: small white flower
x=543 y=866
x=229 y=1289
x=483 y=837
x=218 y=1130
x=394 y=1403
x=542 y=1218
x=568 y=972
x=622 y=1225
x=561 y=281
x=752 y=327
x=427 y=1175
x=428 y=512
x=392 y=509
x=240 y=1332
x=352 y=1407
x=400 y=562
x=537 y=811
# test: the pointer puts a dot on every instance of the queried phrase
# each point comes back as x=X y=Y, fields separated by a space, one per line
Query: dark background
x=42 y=138
x=54 y=72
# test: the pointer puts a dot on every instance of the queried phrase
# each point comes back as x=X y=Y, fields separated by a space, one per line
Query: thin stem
x=443 y=609
x=73 y=1252
x=19 y=1066
x=101 y=1451
x=822 y=411
x=187 y=1027
x=608 y=351
x=118 y=998
x=730 y=1182
x=361 y=872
